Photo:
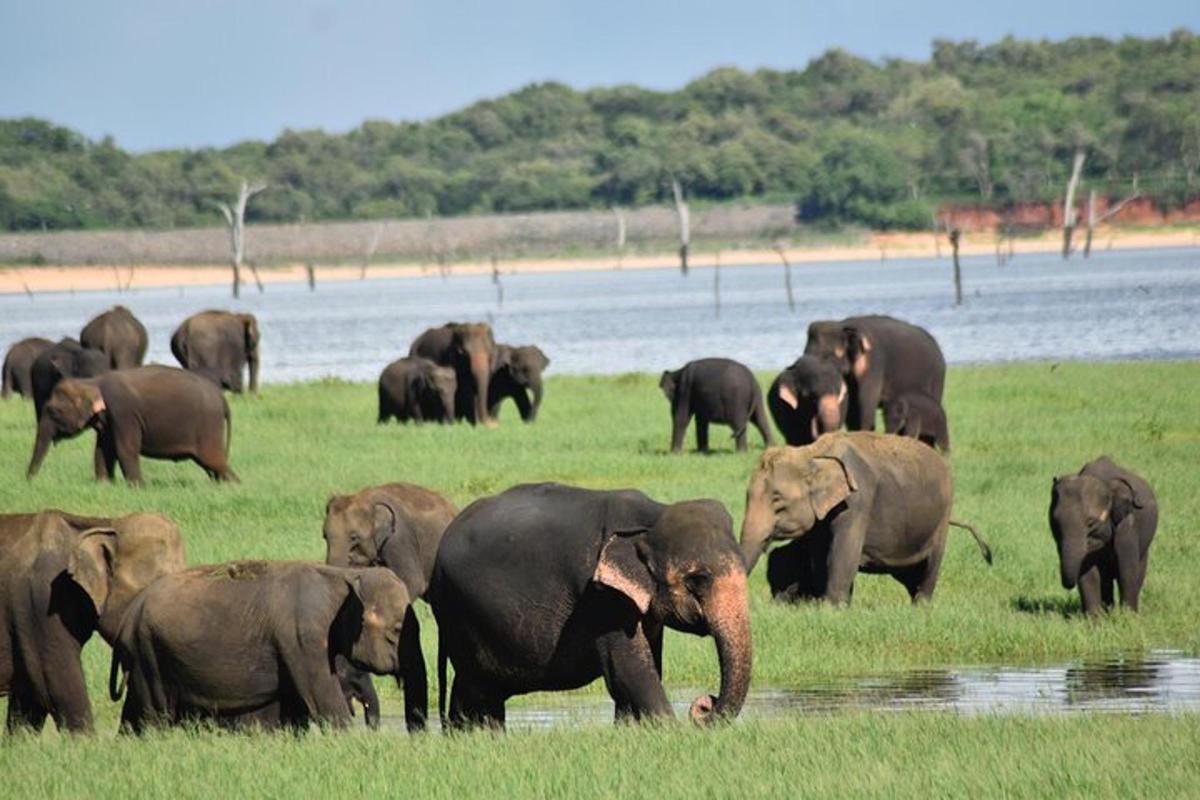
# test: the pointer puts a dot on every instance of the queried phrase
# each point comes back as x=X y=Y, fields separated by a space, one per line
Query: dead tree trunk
x=496 y=281
x=372 y=246
x=1094 y=220
x=955 y=236
x=685 y=234
x=1069 y=202
x=787 y=276
x=235 y=220
x=717 y=286
x=620 y=215
x=311 y=272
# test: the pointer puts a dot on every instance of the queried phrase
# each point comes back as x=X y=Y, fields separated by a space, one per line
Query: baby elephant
x=918 y=416
x=416 y=388
x=259 y=640
x=154 y=411
x=714 y=390
x=1103 y=520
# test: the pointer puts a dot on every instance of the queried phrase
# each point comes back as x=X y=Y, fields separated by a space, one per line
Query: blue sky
x=165 y=73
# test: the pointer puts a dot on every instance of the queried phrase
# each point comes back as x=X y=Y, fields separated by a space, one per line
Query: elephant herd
x=540 y=587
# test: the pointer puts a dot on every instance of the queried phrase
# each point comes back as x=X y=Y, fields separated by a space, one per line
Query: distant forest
x=880 y=144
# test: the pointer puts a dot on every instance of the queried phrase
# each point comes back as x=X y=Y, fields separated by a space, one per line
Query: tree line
x=847 y=140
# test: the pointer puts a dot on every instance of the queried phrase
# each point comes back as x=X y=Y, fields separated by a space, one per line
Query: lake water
x=1117 y=305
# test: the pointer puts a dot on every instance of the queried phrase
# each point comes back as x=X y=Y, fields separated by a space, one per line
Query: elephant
x=883 y=503
x=63 y=577
x=155 y=411
x=548 y=587
x=918 y=416
x=219 y=344
x=470 y=349
x=714 y=390
x=416 y=388
x=257 y=641
x=807 y=399
x=881 y=358
x=66 y=359
x=398 y=526
x=119 y=335
x=517 y=373
x=1103 y=520
x=18 y=366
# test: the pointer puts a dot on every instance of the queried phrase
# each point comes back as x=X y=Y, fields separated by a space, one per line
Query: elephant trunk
x=481 y=370
x=830 y=413
x=1070 y=558
x=45 y=437
x=536 y=387
x=757 y=529
x=252 y=361
x=728 y=613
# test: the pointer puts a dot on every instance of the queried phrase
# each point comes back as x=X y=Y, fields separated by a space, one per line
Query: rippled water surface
x=1117 y=305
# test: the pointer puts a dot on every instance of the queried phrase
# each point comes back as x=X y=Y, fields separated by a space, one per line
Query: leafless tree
x=787 y=276
x=1069 y=201
x=496 y=282
x=685 y=234
x=1093 y=220
x=955 y=236
x=235 y=220
x=620 y=215
x=372 y=246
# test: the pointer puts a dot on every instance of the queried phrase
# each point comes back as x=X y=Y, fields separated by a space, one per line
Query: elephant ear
x=622 y=569
x=1124 y=498
x=251 y=331
x=542 y=357
x=829 y=484
x=90 y=564
x=383 y=524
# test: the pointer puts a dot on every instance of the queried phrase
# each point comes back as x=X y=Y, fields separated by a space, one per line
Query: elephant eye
x=698 y=582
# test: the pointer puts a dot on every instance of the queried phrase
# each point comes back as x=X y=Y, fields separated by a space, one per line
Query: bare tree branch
x=1069 y=202
x=787 y=276
x=235 y=220
x=685 y=234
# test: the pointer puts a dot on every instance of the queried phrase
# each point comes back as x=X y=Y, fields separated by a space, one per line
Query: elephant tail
x=116 y=689
x=228 y=427
x=983 y=545
x=441 y=677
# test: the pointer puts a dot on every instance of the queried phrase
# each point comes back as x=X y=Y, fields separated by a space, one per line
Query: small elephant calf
x=714 y=390
x=415 y=388
x=918 y=416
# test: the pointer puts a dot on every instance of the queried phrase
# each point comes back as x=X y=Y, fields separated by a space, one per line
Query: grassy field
x=1013 y=426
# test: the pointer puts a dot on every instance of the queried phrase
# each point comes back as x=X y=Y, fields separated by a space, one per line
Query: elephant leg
x=702 y=433
x=845 y=553
x=25 y=712
x=412 y=674
x=870 y=389
x=764 y=427
x=471 y=706
x=1131 y=569
x=1107 y=588
x=128 y=447
x=921 y=579
x=678 y=429
x=317 y=686
x=104 y=460
x=1089 y=591
x=631 y=675
x=740 y=434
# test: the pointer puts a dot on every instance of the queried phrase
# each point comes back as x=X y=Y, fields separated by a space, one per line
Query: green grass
x=1013 y=426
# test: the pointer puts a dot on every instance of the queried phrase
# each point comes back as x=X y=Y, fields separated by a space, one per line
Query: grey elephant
x=65 y=359
x=714 y=390
x=63 y=577
x=807 y=399
x=220 y=345
x=919 y=416
x=469 y=348
x=882 y=503
x=1103 y=520
x=119 y=335
x=415 y=388
x=516 y=376
x=17 y=374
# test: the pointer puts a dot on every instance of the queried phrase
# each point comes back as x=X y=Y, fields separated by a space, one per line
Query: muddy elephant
x=414 y=388
x=119 y=335
x=881 y=359
x=549 y=587
x=882 y=502
x=18 y=366
x=154 y=411
x=918 y=416
x=66 y=359
x=516 y=376
x=398 y=526
x=220 y=345
x=807 y=399
x=714 y=390
x=62 y=577
x=257 y=640
x=1103 y=520
x=470 y=350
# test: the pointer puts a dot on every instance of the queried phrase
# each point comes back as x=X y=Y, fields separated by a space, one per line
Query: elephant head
x=74 y=404
x=815 y=390
x=845 y=346
x=669 y=383
x=443 y=381
x=686 y=573
x=523 y=367
x=476 y=351
x=1084 y=511
x=376 y=614
x=793 y=489
x=251 y=337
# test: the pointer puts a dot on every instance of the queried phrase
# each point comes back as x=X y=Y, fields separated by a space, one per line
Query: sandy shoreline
x=35 y=279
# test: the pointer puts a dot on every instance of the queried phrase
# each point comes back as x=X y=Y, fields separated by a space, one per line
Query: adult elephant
x=470 y=349
x=881 y=358
x=398 y=526
x=155 y=411
x=548 y=587
x=18 y=366
x=517 y=375
x=62 y=577
x=119 y=335
x=1103 y=520
x=219 y=344
x=881 y=502
x=807 y=399
x=66 y=359
x=257 y=640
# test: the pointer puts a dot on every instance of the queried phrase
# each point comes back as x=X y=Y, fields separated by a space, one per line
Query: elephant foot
x=701 y=711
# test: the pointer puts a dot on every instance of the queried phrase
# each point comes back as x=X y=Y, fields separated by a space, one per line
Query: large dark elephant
x=62 y=577
x=881 y=359
x=398 y=526
x=154 y=411
x=219 y=344
x=66 y=359
x=714 y=390
x=230 y=640
x=414 y=388
x=470 y=349
x=119 y=335
x=807 y=399
x=918 y=416
x=1103 y=520
x=18 y=366
x=517 y=374
x=883 y=502
x=549 y=587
